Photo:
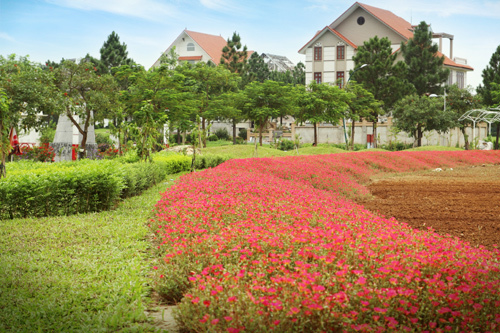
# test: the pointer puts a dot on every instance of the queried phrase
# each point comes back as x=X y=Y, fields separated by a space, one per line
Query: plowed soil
x=462 y=202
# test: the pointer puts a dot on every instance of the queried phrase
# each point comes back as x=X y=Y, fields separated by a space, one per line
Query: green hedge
x=34 y=189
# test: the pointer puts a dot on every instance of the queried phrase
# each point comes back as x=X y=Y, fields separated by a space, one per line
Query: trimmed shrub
x=286 y=145
x=223 y=134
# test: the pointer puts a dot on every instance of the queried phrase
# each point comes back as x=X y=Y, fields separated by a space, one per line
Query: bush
x=242 y=133
x=47 y=134
x=396 y=146
x=213 y=137
x=286 y=145
x=101 y=138
x=240 y=141
x=223 y=134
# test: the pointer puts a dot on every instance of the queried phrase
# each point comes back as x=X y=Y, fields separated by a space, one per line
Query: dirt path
x=462 y=202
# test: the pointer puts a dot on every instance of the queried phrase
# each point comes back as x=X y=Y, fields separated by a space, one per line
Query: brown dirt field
x=462 y=202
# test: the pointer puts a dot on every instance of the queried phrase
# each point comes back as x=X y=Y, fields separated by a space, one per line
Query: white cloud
x=6 y=36
x=146 y=9
x=219 y=5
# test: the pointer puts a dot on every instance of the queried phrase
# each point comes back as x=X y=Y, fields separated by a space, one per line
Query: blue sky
x=55 y=29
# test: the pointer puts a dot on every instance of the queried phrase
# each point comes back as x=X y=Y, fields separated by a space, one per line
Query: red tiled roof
x=211 y=44
x=342 y=37
x=396 y=23
x=190 y=58
x=449 y=62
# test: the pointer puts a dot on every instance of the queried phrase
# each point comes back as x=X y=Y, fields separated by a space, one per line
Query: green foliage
x=242 y=133
x=383 y=76
x=396 y=146
x=491 y=76
x=88 y=272
x=222 y=134
x=234 y=57
x=213 y=137
x=48 y=133
x=320 y=103
x=43 y=153
x=257 y=69
x=103 y=138
x=61 y=190
x=416 y=114
x=263 y=101
x=113 y=54
x=85 y=94
x=285 y=145
x=424 y=68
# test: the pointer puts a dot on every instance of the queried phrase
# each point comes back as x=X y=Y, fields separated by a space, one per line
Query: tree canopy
x=491 y=79
x=424 y=66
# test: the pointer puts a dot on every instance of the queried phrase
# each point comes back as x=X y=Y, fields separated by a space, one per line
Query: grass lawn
x=84 y=272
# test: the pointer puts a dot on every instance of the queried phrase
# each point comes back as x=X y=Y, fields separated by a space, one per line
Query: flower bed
x=273 y=244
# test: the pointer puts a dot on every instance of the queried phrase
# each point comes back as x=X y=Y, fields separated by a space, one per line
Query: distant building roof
x=211 y=44
x=277 y=62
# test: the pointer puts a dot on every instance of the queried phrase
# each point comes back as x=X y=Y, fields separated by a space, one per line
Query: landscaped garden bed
x=276 y=244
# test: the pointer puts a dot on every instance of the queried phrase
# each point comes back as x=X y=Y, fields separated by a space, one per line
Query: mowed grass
x=86 y=272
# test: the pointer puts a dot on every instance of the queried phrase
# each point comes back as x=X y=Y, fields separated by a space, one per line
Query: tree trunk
x=234 y=131
x=178 y=136
x=204 y=133
x=466 y=138
x=374 y=127
x=315 y=135
x=260 y=133
x=419 y=136
x=353 y=126
x=3 y=172
x=498 y=134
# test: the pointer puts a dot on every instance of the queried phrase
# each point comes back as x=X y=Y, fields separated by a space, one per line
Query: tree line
x=189 y=97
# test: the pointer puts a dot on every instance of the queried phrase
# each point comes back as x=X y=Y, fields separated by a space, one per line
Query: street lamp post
x=343 y=119
x=444 y=97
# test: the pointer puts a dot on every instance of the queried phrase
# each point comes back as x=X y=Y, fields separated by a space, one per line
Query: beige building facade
x=329 y=53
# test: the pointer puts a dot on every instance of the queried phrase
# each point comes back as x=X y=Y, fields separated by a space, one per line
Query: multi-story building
x=329 y=53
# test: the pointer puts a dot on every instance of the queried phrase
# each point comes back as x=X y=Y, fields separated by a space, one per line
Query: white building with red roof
x=194 y=47
x=329 y=53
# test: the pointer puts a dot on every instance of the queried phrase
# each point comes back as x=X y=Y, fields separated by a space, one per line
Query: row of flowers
x=276 y=244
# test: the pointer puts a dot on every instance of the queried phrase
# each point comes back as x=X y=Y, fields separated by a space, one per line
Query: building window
x=361 y=20
x=461 y=80
x=190 y=47
x=317 y=77
x=317 y=53
x=340 y=79
x=340 y=52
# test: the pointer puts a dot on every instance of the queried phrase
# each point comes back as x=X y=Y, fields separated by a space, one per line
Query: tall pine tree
x=491 y=74
x=383 y=77
x=424 y=68
x=234 y=56
x=113 y=54
x=257 y=69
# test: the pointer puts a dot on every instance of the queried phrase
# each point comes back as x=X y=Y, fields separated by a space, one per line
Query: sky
x=56 y=29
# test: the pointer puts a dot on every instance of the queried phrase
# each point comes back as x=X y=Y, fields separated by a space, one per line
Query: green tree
x=320 y=103
x=299 y=74
x=28 y=94
x=459 y=101
x=424 y=68
x=491 y=74
x=87 y=96
x=113 y=54
x=207 y=84
x=234 y=56
x=267 y=100
x=257 y=69
x=417 y=114
x=5 y=123
x=360 y=105
x=381 y=75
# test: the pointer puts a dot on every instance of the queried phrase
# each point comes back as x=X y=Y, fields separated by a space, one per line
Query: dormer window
x=190 y=46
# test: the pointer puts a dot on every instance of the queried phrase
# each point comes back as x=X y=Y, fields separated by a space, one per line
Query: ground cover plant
x=275 y=244
x=87 y=272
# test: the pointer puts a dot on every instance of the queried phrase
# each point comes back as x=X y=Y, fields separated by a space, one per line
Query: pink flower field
x=276 y=244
